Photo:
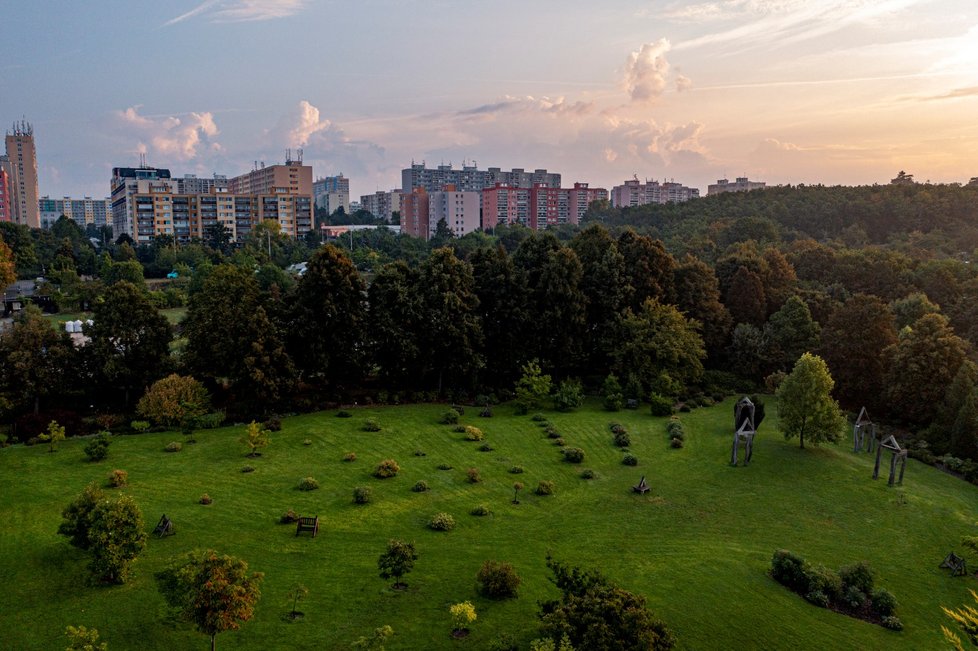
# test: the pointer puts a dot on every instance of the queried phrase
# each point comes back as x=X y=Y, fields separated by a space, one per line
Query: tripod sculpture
x=897 y=454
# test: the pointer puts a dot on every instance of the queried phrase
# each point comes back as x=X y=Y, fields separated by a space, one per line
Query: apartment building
x=22 y=169
x=538 y=207
x=635 y=193
x=291 y=178
x=460 y=210
x=125 y=185
x=472 y=179
x=382 y=204
x=190 y=184
x=331 y=193
x=742 y=184
x=83 y=211
x=415 y=207
x=5 y=215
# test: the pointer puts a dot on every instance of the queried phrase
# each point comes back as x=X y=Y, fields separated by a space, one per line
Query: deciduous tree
x=38 y=361
x=397 y=561
x=173 y=400
x=805 y=405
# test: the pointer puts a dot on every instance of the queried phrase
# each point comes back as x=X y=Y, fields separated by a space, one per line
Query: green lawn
x=174 y=315
x=698 y=546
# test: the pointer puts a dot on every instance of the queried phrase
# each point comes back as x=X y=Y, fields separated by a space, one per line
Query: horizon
x=684 y=91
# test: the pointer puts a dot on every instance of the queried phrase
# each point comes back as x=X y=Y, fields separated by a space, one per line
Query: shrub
x=444 y=466
x=822 y=579
x=118 y=478
x=675 y=425
x=420 y=486
x=450 y=417
x=247 y=469
x=517 y=470
x=569 y=396
x=371 y=425
x=481 y=510
x=587 y=474
x=660 y=405
x=552 y=432
x=463 y=614
x=893 y=623
x=350 y=457
x=545 y=487
x=205 y=499
x=684 y=408
x=538 y=418
x=617 y=427
x=473 y=433
x=342 y=413
x=98 y=448
x=472 y=476
x=788 y=569
x=560 y=442
x=139 y=426
x=173 y=446
x=420 y=453
x=441 y=522
x=853 y=597
x=212 y=420
x=386 y=469
x=307 y=441
x=505 y=642
x=486 y=412
x=818 y=598
x=308 y=484
x=678 y=434
x=573 y=455
x=459 y=429
x=497 y=580
x=629 y=460
x=884 y=603
x=614 y=399
x=859 y=576
x=289 y=517
x=485 y=447
x=173 y=400
x=676 y=443
x=622 y=439
x=273 y=424
x=361 y=495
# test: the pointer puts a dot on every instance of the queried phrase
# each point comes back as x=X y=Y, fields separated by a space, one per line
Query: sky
x=785 y=91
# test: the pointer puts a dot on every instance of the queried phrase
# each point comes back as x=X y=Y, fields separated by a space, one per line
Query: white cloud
x=236 y=11
x=170 y=137
x=646 y=71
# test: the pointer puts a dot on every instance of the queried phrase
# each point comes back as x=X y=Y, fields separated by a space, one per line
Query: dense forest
x=679 y=302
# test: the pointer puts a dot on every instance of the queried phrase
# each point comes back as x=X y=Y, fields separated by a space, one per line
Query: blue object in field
x=173 y=274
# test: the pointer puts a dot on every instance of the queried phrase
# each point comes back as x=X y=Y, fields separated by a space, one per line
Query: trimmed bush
x=289 y=517
x=629 y=460
x=308 y=484
x=98 y=448
x=893 y=623
x=788 y=569
x=587 y=474
x=859 y=576
x=371 y=425
x=459 y=429
x=573 y=455
x=307 y=441
x=361 y=495
x=884 y=603
x=247 y=469
x=617 y=427
x=517 y=470
x=481 y=510
x=343 y=414
x=538 y=418
x=139 y=426
x=213 y=420
x=497 y=580
x=420 y=486
x=676 y=443
x=450 y=417
x=552 y=432
x=622 y=439
x=472 y=476
x=441 y=522
x=473 y=433
x=560 y=442
x=205 y=499
x=420 y=453
x=660 y=405
x=444 y=466
x=173 y=446
x=545 y=487
x=118 y=478
x=350 y=456
x=386 y=469
x=822 y=579
x=485 y=447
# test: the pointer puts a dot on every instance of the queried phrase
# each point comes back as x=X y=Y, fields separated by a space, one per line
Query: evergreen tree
x=956 y=398
x=502 y=292
x=790 y=332
x=396 y=322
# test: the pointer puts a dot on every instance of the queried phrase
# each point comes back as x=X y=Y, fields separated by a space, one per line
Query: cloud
x=683 y=83
x=971 y=91
x=236 y=11
x=171 y=136
x=646 y=71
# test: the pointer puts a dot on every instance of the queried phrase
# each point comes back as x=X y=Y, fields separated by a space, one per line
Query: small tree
x=517 y=487
x=117 y=537
x=255 y=438
x=614 y=399
x=84 y=639
x=376 y=641
x=297 y=592
x=966 y=619
x=172 y=400
x=215 y=593
x=498 y=580
x=55 y=434
x=463 y=614
x=532 y=388
x=569 y=396
x=77 y=516
x=397 y=561
x=805 y=404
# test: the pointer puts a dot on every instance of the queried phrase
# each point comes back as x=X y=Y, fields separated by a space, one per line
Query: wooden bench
x=643 y=486
x=164 y=527
x=307 y=524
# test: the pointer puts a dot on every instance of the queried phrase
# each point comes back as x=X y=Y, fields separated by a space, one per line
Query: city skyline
x=785 y=91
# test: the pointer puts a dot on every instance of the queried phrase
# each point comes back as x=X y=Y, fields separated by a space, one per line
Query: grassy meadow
x=698 y=546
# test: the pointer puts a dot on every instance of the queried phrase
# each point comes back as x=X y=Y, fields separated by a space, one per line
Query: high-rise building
x=415 y=212
x=742 y=184
x=382 y=204
x=126 y=183
x=291 y=178
x=537 y=207
x=332 y=192
x=190 y=184
x=635 y=193
x=470 y=178
x=83 y=211
x=5 y=215
x=23 y=175
x=460 y=210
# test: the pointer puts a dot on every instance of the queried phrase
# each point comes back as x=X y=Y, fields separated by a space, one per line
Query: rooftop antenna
x=300 y=158
x=142 y=159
